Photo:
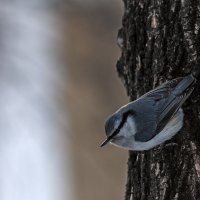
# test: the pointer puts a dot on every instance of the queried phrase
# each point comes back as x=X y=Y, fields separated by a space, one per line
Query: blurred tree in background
x=160 y=41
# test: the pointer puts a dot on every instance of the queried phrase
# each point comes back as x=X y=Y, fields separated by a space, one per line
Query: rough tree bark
x=160 y=40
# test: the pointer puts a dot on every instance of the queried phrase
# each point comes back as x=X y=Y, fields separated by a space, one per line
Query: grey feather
x=163 y=103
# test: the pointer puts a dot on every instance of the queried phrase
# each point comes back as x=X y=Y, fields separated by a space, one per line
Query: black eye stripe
x=124 y=118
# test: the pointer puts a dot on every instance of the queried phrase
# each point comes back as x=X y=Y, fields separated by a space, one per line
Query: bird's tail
x=185 y=84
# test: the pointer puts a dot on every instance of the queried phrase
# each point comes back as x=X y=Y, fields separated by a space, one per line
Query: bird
x=151 y=119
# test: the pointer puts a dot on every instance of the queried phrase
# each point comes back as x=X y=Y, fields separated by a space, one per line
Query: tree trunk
x=160 y=40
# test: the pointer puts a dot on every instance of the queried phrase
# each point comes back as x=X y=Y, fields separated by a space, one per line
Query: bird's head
x=115 y=123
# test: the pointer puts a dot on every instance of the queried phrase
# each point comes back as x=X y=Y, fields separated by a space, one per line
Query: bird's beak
x=105 y=142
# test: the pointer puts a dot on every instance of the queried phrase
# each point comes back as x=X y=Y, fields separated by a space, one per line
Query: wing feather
x=166 y=105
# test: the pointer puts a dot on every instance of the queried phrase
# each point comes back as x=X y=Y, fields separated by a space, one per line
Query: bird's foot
x=170 y=144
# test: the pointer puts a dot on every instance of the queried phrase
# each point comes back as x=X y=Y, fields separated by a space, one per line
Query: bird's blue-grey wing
x=147 y=128
x=170 y=108
x=167 y=99
x=163 y=90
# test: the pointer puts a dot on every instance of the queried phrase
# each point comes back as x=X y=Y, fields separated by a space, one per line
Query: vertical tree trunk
x=160 y=40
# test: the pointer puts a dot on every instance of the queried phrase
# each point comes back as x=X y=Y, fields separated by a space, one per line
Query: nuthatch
x=151 y=119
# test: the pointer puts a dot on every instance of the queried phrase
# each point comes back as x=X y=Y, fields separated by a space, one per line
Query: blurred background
x=58 y=84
